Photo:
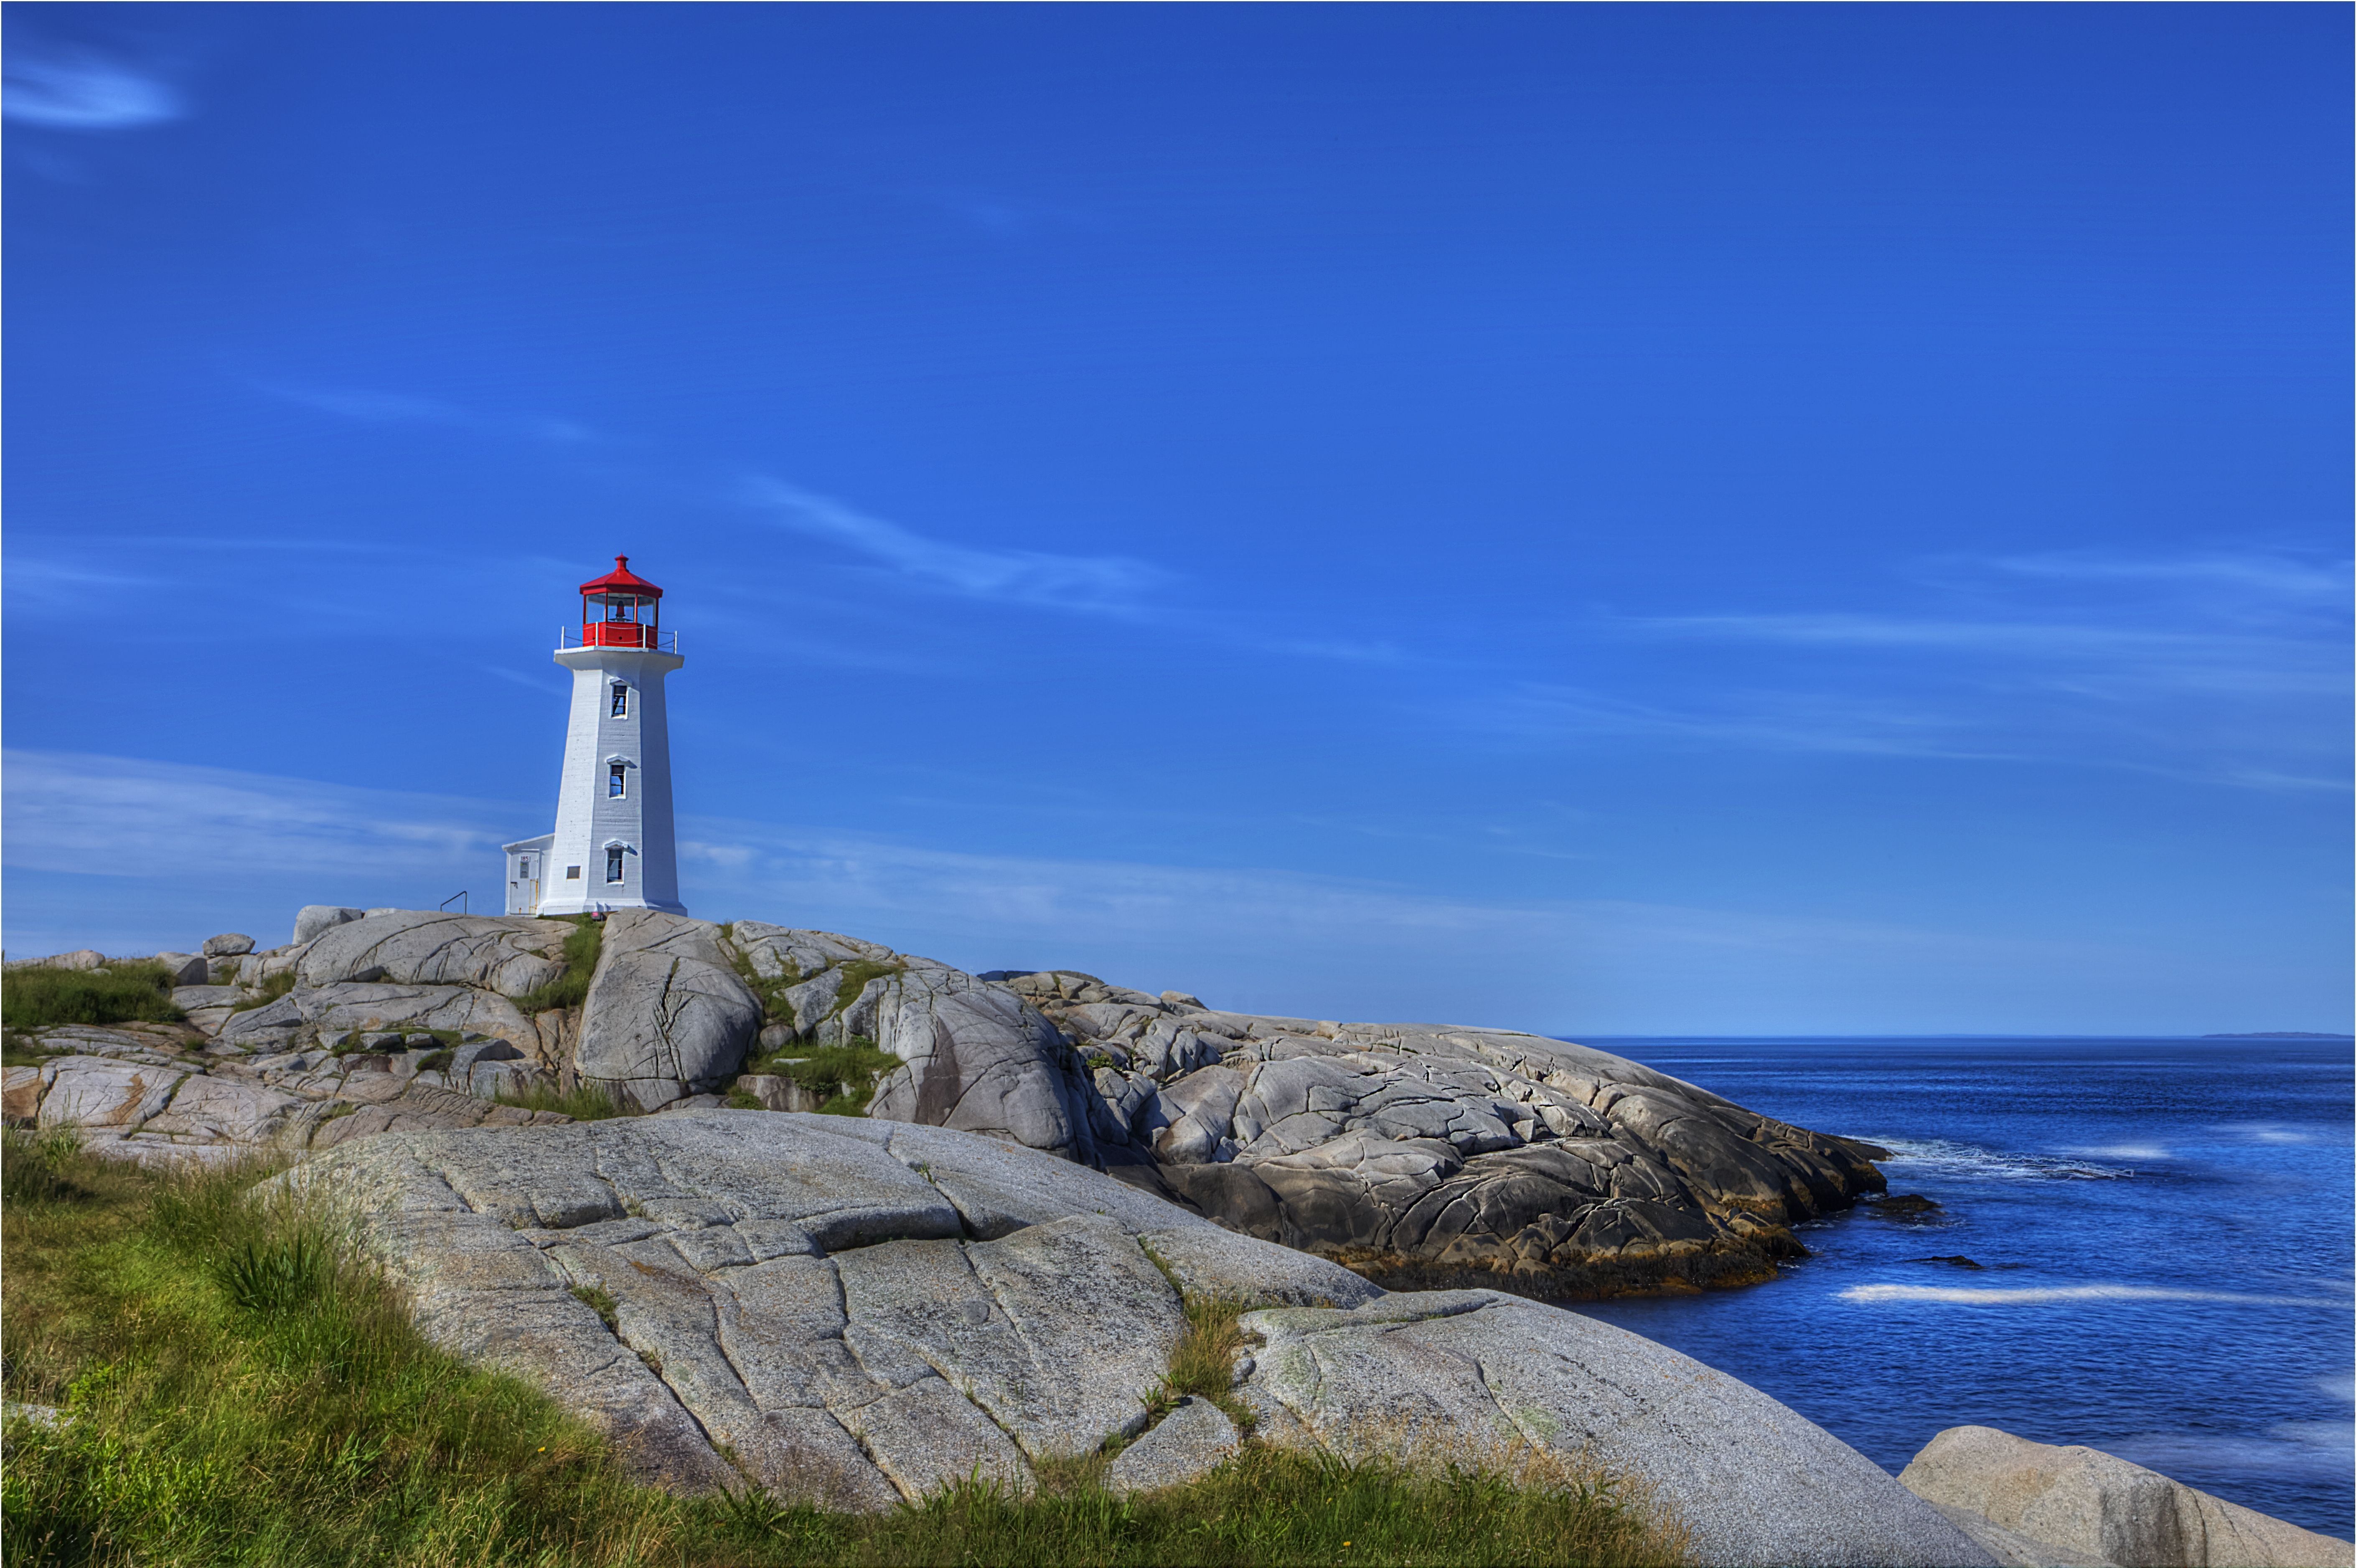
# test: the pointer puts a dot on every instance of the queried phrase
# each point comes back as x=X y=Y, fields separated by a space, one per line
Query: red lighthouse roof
x=621 y=579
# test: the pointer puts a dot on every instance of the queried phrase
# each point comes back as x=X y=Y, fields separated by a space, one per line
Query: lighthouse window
x=618 y=779
x=572 y=873
x=621 y=703
x=613 y=864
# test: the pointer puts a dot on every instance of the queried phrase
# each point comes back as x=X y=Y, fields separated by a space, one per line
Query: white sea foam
x=2036 y=1294
x=2129 y=1151
x=1944 y=1156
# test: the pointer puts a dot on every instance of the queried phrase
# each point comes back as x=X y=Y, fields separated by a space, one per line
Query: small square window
x=572 y=873
x=618 y=778
x=613 y=864
x=621 y=701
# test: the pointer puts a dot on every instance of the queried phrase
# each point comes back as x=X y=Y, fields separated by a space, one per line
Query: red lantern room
x=620 y=609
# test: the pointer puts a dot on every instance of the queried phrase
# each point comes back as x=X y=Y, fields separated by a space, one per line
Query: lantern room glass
x=620 y=618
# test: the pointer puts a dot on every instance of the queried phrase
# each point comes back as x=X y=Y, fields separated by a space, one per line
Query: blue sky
x=1595 y=520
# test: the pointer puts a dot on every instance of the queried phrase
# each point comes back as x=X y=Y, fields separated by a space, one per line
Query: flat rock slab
x=1459 y=1372
x=2075 y=1505
x=861 y=1313
x=131 y=1095
x=1193 y=1440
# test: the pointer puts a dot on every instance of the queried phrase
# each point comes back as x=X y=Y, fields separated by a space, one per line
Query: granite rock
x=312 y=919
x=1193 y=1439
x=508 y=955
x=861 y=1313
x=667 y=1015
x=229 y=944
x=2081 y=1504
x=1460 y=1372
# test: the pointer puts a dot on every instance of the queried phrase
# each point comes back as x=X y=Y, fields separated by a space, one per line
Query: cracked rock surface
x=858 y=1312
x=1419 y=1154
x=145 y=1092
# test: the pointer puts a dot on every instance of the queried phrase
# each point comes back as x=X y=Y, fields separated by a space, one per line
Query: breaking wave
x=1943 y=1157
x=2035 y=1295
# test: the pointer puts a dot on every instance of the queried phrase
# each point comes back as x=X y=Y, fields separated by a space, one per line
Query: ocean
x=2163 y=1234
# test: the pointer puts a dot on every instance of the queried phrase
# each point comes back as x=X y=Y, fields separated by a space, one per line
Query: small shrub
x=269 y=991
x=855 y=975
x=843 y=1076
x=120 y=993
x=569 y=989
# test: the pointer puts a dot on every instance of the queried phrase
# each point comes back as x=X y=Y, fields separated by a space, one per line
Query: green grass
x=570 y=989
x=239 y=1390
x=854 y=977
x=770 y=988
x=269 y=991
x=842 y=1076
x=120 y=993
x=582 y=1103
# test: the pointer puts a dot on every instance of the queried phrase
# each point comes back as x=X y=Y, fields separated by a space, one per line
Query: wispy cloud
x=2278 y=576
x=128 y=816
x=64 y=87
x=1097 y=584
x=1255 y=939
x=366 y=407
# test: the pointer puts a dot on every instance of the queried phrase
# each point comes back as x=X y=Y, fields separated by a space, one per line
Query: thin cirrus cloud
x=64 y=89
x=365 y=407
x=76 y=812
x=1103 y=585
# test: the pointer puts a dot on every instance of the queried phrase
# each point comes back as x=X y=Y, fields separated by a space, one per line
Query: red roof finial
x=621 y=579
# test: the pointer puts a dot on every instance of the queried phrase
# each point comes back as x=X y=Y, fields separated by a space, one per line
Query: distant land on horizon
x=2280 y=1034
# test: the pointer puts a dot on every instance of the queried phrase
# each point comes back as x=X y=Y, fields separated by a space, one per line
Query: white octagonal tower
x=612 y=847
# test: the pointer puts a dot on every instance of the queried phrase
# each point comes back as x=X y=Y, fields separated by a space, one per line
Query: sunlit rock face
x=1415 y=1154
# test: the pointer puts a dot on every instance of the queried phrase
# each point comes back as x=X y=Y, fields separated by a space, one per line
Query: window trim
x=614 y=866
x=618 y=703
x=617 y=781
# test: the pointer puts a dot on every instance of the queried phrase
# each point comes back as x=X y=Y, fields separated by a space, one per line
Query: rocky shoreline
x=989 y=1269
x=1417 y=1155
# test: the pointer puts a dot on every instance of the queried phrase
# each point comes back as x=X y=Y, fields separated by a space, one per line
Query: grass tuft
x=597 y=1299
x=855 y=975
x=570 y=989
x=582 y=1101
x=843 y=1076
x=120 y=993
x=269 y=991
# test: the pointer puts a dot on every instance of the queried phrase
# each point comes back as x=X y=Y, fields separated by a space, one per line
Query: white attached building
x=612 y=847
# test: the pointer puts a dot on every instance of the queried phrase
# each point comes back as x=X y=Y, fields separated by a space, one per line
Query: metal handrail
x=458 y=898
x=569 y=639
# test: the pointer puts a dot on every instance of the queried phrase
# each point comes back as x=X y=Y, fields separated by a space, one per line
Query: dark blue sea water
x=2165 y=1230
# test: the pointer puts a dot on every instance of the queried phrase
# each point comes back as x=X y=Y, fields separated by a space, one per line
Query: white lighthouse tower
x=612 y=847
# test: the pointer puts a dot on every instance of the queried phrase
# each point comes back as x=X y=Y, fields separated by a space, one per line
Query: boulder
x=980 y=1060
x=775 y=1091
x=1463 y=1371
x=859 y=1313
x=510 y=956
x=667 y=1015
x=1193 y=1440
x=229 y=944
x=80 y=958
x=2079 y=1504
x=309 y=1014
x=184 y=968
x=1436 y=1155
x=313 y=918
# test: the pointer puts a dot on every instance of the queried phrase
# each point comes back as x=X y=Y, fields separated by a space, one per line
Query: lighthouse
x=612 y=847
